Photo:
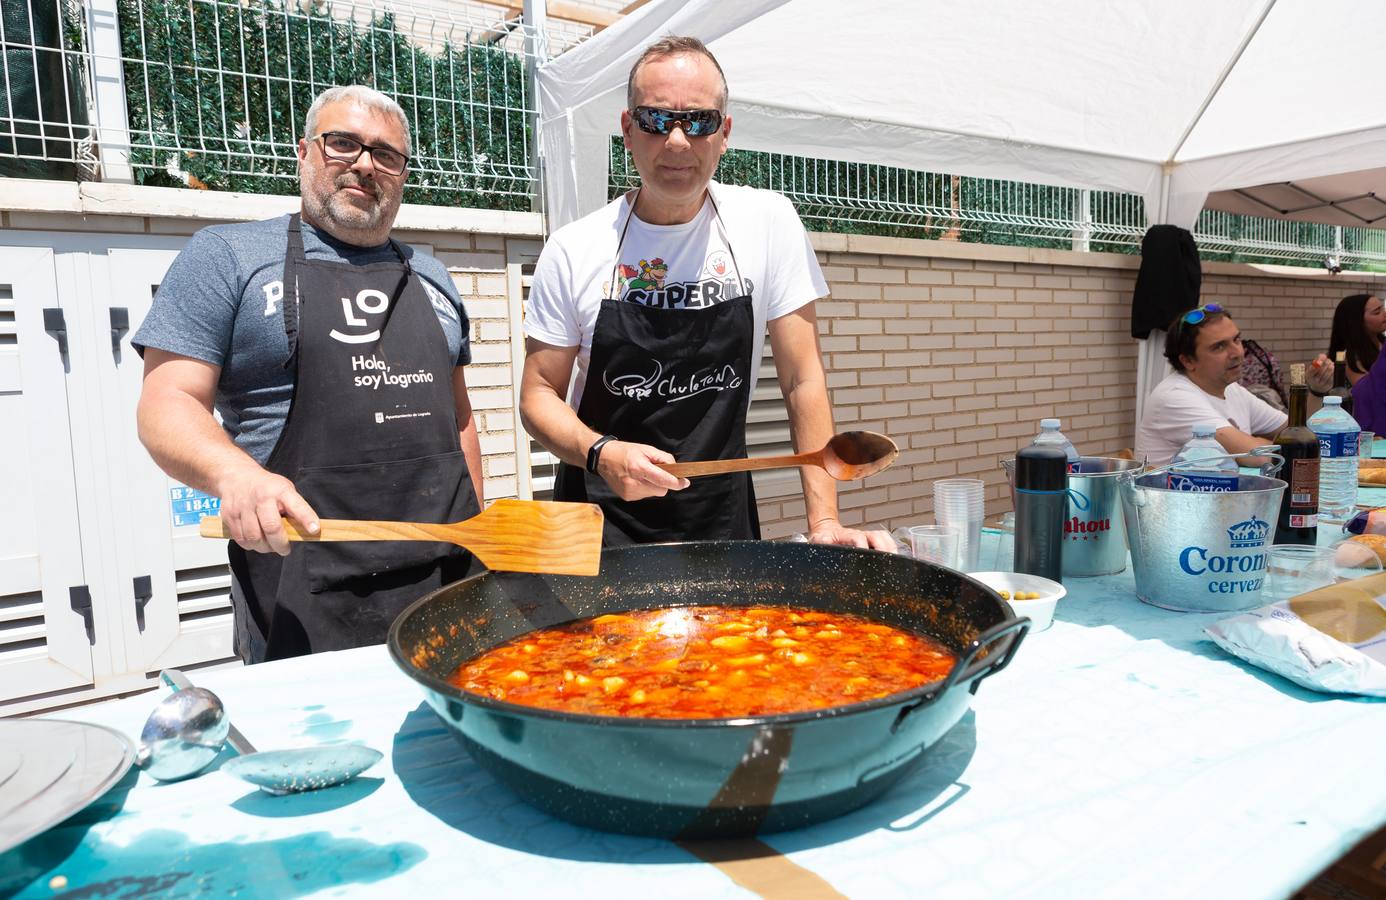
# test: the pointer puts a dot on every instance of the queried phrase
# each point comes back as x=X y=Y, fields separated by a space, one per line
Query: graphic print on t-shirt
x=643 y=282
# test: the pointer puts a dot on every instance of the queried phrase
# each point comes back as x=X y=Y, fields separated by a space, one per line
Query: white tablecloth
x=1120 y=755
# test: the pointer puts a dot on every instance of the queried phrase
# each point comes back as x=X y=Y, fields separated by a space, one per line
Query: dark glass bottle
x=1041 y=506
x=1299 y=506
x=1341 y=387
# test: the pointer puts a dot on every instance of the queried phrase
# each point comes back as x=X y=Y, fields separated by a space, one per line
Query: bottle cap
x=1332 y=400
x=1205 y=429
x=1296 y=373
x=1041 y=469
x=1049 y=423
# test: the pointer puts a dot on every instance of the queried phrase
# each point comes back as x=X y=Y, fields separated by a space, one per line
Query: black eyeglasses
x=1194 y=316
x=347 y=149
x=694 y=122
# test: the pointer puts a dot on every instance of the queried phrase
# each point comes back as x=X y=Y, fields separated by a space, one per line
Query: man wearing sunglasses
x=1204 y=346
x=334 y=357
x=647 y=321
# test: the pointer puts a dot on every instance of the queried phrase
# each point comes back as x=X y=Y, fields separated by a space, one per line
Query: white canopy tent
x=1168 y=99
x=1349 y=199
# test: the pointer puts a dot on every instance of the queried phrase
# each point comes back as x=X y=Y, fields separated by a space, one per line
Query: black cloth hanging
x=1168 y=281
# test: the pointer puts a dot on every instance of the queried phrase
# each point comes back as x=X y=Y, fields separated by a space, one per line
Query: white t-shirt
x=686 y=266
x=1177 y=405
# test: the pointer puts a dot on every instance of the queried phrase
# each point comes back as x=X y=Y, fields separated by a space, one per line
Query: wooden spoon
x=510 y=536
x=848 y=456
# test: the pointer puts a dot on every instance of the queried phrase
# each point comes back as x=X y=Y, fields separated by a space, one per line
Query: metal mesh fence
x=44 y=131
x=862 y=198
x=217 y=90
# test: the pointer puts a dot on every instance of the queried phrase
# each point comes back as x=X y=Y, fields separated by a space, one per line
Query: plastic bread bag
x=1332 y=639
x=1368 y=521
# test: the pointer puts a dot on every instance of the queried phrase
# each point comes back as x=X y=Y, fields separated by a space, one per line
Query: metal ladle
x=181 y=738
x=183 y=734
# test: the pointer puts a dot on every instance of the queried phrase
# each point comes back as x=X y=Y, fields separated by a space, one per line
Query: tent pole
x=1162 y=213
x=1222 y=77
x=536 y=54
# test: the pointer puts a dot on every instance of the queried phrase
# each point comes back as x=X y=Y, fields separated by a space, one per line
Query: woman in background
x=1358 y=324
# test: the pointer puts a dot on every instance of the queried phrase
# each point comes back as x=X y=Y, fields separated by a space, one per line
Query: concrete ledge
x=22 y=195
x=114 y=206
x=895 y=246
x=832 y=242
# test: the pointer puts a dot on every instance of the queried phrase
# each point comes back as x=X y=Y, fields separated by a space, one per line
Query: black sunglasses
x=347 y=149
x=694 y=122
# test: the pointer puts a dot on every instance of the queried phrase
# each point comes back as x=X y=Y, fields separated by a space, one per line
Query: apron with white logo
x=371 y=434
x=679 y=380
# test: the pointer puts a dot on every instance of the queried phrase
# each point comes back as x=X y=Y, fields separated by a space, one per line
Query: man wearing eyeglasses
x=334 y=357
x=1204 y=346
x=647 y=320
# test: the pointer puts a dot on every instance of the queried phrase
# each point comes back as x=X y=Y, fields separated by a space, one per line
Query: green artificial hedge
x=230 y=84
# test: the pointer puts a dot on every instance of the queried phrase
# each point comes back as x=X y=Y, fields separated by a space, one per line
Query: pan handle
x=1269 y=468
x=963 y=669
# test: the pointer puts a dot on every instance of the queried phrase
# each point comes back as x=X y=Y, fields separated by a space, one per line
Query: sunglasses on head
x=694 y=122
x=1194 y=316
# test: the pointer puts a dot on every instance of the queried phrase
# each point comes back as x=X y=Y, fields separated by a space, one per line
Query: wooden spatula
x=510 y=536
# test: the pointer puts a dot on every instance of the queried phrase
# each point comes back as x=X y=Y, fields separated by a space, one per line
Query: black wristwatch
x=594 y=452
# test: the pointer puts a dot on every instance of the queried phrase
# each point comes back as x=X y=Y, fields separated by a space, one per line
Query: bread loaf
x=1375 y=542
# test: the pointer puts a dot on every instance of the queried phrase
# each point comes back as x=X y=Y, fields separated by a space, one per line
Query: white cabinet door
x=172 y=585
x=46 y=618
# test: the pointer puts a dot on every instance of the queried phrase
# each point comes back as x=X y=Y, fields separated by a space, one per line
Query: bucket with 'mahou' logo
x=1094 y=531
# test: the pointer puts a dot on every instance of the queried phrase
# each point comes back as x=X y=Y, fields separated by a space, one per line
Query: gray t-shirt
x=221 y=303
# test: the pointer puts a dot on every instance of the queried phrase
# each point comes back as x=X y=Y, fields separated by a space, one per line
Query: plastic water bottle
x=1051 y=436
x=1202 y=465
x=1337 y=433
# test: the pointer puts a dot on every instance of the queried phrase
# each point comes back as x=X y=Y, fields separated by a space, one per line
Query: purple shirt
x=1369 y=397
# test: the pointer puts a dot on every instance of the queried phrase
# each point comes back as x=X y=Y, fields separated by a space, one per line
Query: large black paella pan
x=707 y=777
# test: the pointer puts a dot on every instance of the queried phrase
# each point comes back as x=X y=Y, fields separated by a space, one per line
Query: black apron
x=679 y=380
x=371 y=434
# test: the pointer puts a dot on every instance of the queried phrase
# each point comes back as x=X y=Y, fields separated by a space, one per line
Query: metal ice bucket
x=1201 y=552
x=1094 y=532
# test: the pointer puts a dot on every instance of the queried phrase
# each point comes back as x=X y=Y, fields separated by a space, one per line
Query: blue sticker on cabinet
x=189 y=505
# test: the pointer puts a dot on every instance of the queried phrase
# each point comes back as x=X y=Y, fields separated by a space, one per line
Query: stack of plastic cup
x=959 y=502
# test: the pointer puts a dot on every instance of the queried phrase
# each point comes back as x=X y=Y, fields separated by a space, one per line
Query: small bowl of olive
x=1028 y=595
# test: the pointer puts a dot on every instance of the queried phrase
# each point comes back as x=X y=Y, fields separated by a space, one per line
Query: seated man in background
x=1204 y=346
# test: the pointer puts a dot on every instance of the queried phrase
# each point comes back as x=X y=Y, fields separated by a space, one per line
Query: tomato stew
x=695 y=662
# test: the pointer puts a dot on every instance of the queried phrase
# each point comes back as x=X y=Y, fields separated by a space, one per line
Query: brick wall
x=481 y=275
x=958 y=350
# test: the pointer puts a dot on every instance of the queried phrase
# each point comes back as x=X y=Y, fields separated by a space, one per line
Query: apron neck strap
x=721 y=223
x=620 y=242
x=717 y=216
x=288 y=304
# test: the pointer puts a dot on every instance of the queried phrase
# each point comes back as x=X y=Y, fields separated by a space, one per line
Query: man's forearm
x=553 y=423
x=810 y=427
x=471 y=451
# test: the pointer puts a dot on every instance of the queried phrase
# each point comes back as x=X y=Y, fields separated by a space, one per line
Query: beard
x=335 y=209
